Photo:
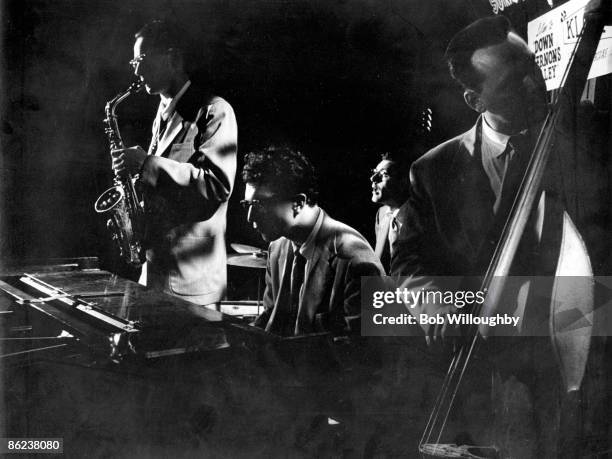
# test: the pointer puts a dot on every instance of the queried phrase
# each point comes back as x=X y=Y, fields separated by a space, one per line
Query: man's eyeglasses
x=257 y=203
x=382 y=173
x=137 y=60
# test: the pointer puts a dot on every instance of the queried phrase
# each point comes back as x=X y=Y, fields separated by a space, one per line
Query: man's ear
x=299 y=201
x=472 y=98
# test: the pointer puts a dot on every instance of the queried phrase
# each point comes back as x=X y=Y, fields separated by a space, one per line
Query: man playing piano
x=315 y=263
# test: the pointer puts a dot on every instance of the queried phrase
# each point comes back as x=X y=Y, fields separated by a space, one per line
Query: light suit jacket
x=331 y=296
x=187 y=179
x=382 y=247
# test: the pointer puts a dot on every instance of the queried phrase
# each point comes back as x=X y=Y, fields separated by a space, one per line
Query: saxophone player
x=187 y=174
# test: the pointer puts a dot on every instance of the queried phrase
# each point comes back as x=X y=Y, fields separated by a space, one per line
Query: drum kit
x=246 y=256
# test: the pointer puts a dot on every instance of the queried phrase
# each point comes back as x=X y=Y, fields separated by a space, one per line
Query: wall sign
x=552 y=38
x=500 y=5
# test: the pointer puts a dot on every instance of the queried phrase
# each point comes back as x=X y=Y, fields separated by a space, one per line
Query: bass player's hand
x=442 y=332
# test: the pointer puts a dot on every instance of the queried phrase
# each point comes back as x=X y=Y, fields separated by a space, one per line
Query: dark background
x=342 y=81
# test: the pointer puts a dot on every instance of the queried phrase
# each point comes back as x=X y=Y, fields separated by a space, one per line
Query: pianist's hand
x=128 y=160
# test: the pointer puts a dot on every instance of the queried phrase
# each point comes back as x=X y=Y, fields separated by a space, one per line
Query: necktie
x=159 y=132
x=512 y=162
x=520 y=143
x=162 y=126
x=297 y=280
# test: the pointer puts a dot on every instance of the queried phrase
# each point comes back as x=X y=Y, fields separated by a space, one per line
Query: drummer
x=315 y=263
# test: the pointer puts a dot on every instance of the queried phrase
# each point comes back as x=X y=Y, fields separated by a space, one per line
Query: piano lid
x=118 y=317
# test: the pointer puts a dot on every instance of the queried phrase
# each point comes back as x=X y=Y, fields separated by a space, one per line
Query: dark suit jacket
x=331 y=299
x=448 y=215
x=188 y=178
x=448 y=212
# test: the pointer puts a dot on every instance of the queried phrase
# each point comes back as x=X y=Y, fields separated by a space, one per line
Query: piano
x=114 y=318
x=117 y=370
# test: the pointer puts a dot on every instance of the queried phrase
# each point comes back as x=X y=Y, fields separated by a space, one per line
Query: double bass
x=571 y=345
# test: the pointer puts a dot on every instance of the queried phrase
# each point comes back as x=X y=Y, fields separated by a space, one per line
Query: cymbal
x=247 y=260
x=243 y=248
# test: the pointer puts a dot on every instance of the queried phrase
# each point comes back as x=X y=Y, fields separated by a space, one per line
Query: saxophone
x=126 y=220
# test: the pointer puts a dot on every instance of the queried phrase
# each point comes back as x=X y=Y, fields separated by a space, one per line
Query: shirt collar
x=496 y=141
x=167 y=106
x=307 y=249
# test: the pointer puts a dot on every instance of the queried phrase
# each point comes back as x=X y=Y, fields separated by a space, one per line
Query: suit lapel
x=175 y=125
x=285 y=281
x=313 y=287
x=382 y=231
x=187 y=109
x=476 y=206
x=283 y=293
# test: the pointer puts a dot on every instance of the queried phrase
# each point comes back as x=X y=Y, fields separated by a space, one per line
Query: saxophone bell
x=109 y=199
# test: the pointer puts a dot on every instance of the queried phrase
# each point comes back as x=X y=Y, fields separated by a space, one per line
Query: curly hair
x=482 y=33
x=284 y=171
